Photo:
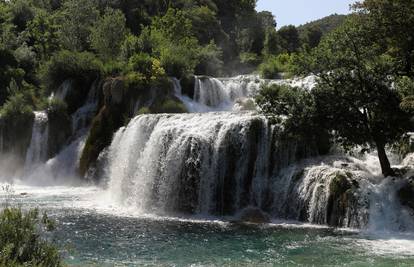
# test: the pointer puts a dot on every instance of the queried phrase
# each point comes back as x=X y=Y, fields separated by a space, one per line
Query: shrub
x=81 y=67
x=210 y=62
x=249 y=58
x=114 y=68
x=16 y=108
x=57 y=107
x=170 y=106
x=144 y=110
x=20 y=240
x=141 y=63
x=272 y=67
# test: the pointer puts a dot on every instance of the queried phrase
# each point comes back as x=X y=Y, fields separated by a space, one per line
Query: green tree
x=43 y=34
x=77 y=19
x=108 y=33
x=354 y=93
x=392 y=21
x=271 y=42
x=312 y=36
x=289 y=36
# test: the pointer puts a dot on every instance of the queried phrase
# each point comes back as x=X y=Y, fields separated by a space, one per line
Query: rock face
x=340 y=199
x=253 y=215
x=406 y=194
x=59 y=131
x=15 y=135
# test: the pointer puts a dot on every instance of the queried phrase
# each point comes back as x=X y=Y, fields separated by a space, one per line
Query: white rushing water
x=220 y=163
x=38 y=149
x=231 y=94
x=218 y=160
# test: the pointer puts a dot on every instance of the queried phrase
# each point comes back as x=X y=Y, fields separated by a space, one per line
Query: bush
x=210 y=60
x=16 y=108
x=272 y=67
x=81 y=67
x=141 y=63
x=144 y=110
x=20 y=240
x=114 y=68
x=169 y=106
x=57 y=107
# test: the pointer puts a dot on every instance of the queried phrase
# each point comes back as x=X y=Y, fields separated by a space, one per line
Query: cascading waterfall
x=37 y=151
x=82 y=117
x=218 y=160
x=62 y=168
x=231 y=94
x=218 y=163
x=191 y=162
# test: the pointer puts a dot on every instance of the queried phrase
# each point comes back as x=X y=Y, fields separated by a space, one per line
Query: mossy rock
x=104 y=125
x=340 y=197
x=187 y=85
x=406 y=195
x=168 y=104
x=60 y=128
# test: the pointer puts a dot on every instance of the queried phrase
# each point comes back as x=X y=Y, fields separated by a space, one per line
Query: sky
x=299 y=12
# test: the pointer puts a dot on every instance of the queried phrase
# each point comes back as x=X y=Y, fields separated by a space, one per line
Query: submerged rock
x=253 y=215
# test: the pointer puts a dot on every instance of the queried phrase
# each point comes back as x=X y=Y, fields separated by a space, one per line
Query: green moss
x=339 y=184
x=103 y=127
x=144 y=110
x=172 y=106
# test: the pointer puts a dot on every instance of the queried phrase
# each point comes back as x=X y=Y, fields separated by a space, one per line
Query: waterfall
x=219 y=163
x=37 y=151
x=199 y=163
x=231 y=94
x=62 y=91
x=83 y=116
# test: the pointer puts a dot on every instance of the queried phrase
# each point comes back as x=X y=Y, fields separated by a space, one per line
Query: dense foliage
x=43 y=43
x=20 y=240
x=364 y=93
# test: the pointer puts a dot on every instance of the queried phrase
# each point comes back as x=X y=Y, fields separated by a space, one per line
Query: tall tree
x=354 y=93
x=393 y=21
x=78 y=17
x=108 y=33
x=289 y=36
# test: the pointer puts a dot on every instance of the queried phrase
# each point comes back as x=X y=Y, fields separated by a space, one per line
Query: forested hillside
x=46 y=42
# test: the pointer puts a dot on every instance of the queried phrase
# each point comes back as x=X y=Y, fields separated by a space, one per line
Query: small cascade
x=62 y=91
x=82 y=117
x=231 y=94
x=60 y=170
x=38 y=149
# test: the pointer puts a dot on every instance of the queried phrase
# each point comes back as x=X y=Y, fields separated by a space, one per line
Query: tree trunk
x=385 y=163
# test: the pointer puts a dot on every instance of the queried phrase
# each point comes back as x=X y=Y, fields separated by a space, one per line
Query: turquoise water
x=93 y=233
